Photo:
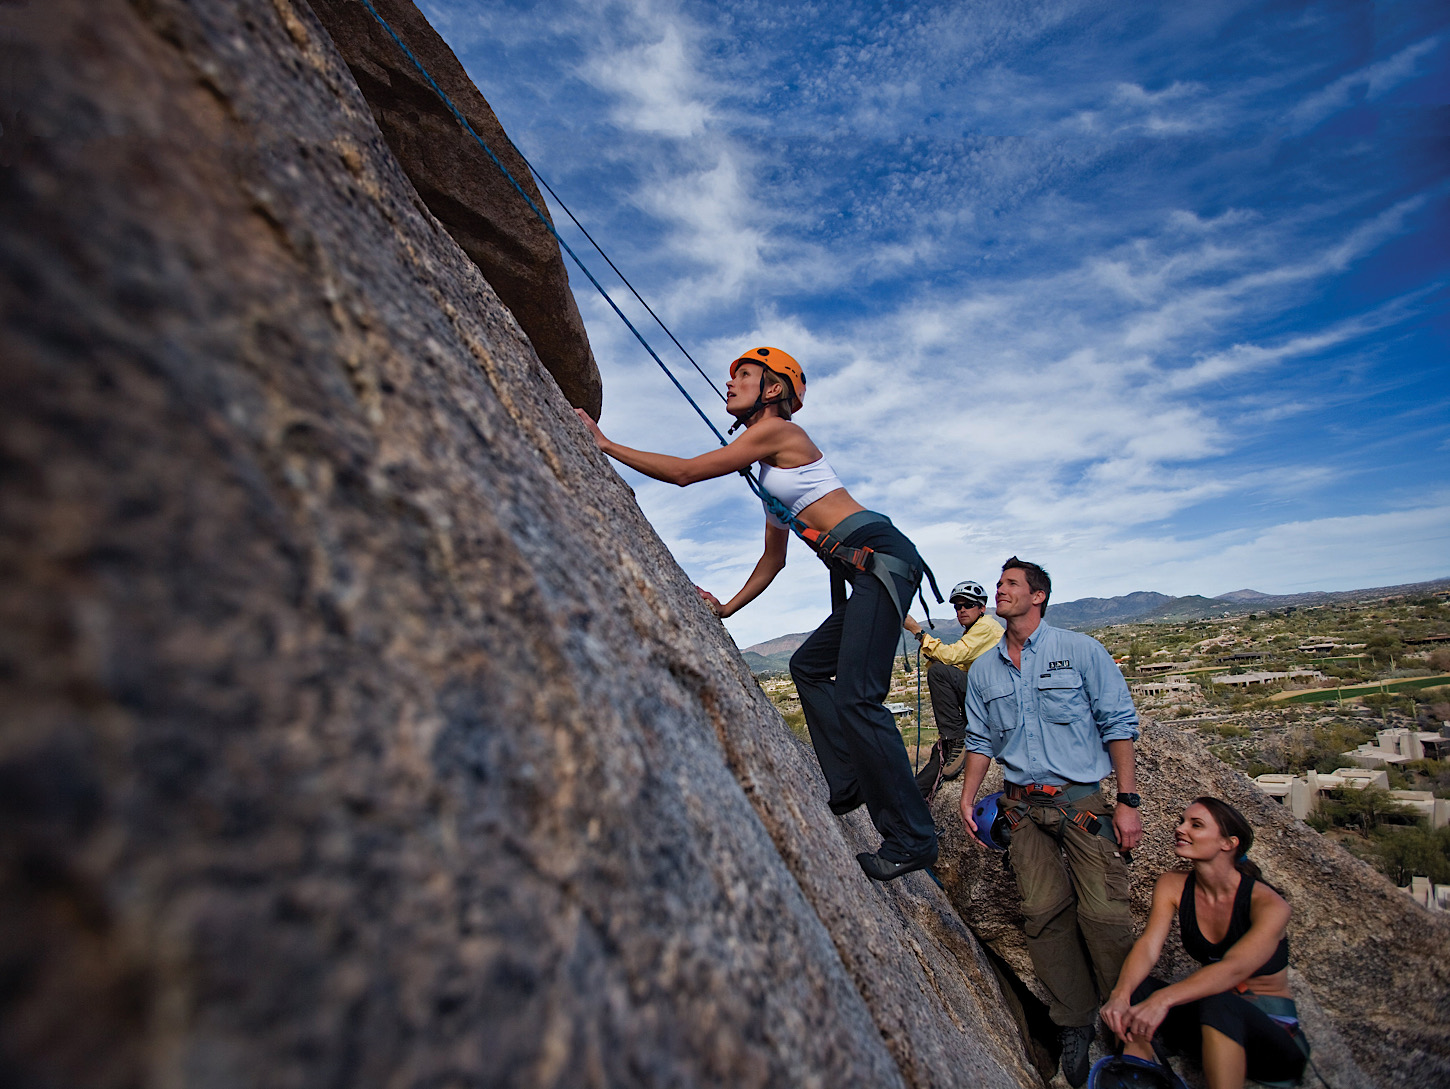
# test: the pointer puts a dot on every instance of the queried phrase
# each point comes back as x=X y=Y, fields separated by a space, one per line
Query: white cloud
x=656 y=83
x=1044 y=301
x=1370 y=82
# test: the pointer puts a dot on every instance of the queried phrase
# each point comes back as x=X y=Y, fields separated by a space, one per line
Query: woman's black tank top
x=1206 y=952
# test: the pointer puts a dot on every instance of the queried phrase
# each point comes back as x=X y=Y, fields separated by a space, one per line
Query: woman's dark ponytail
x=1233 y=823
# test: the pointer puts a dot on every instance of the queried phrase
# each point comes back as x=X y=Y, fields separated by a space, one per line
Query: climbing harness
x=861 y=559
x=830 y=546
x=1061 y=798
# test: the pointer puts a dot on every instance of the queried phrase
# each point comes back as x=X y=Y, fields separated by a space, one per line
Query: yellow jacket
x=982 y=636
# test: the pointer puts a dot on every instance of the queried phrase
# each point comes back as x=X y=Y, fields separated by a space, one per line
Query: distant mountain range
x=1141 y=607
x=1094 y=612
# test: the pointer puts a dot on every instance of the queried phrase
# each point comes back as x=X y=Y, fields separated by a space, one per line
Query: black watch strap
x=1132 y=801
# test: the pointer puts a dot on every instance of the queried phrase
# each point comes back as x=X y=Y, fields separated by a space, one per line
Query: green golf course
x=1320 y=695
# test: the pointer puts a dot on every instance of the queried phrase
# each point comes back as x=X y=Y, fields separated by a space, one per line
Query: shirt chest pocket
x=1060 y=696
x=1000 y=701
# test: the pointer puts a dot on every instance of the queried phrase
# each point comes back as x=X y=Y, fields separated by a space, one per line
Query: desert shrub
x=1403 y=853
x=1383 y=648
x=1364 y=810
x=796 y=720
x=1227 y=730
x=1440 y=659
x=1437 y=772
x=1317 y=747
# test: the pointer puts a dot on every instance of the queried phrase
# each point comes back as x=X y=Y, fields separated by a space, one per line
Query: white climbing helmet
x=971 y=592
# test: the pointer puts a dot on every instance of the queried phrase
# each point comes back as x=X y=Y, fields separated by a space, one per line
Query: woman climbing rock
x=843 y=671
x=1236 y=1014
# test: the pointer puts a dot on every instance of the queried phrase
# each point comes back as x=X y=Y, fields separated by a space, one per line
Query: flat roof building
x=1245 y=680
x=1303 y=794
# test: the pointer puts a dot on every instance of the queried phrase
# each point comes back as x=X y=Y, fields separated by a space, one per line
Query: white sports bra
x=798 y=488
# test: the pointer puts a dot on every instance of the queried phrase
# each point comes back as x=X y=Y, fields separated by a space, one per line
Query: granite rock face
x=358 y=729
x=1370 y=968
x=462 y=187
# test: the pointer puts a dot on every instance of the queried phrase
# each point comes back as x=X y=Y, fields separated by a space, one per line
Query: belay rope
x=825 y=545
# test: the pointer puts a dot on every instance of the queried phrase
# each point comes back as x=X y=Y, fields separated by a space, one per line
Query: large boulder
x=461 y=185
x=358 y=729
x=1370 y=968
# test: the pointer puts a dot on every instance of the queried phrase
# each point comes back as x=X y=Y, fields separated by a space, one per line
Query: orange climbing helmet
x=783 y=365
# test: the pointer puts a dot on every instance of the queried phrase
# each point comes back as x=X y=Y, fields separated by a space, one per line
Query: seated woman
x=1236 y=1013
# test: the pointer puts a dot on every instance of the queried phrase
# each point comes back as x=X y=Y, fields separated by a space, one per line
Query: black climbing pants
x=948 y=687
x=1273 y=1052
x=843 y=673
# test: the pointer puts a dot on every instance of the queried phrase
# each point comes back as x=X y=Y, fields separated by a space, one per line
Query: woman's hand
x=710 y=599
x=1114 y=1013
x=1143 y=1019
x=599 y=439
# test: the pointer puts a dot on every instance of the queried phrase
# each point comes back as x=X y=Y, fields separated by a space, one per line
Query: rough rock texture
x=1370 y=968
x=461 y=185
x=359 y=731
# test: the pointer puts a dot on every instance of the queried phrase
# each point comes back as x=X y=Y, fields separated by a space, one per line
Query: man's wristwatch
x=1132 y=801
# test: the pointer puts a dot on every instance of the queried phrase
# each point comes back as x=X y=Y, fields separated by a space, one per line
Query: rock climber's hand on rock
x=712 y=601
x=599 y=438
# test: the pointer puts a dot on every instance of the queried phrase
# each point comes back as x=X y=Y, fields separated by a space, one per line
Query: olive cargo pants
x=1074 y=888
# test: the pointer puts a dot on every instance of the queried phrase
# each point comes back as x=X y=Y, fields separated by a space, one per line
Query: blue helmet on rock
x=991 y=822
x=1129 y=1072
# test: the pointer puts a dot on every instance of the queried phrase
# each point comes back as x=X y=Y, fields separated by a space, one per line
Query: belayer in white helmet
x=946 y=680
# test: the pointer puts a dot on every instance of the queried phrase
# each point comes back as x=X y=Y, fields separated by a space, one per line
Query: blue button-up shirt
x=1051 y=720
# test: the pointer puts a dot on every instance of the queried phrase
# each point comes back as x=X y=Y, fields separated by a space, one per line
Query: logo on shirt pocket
x=1058 y=696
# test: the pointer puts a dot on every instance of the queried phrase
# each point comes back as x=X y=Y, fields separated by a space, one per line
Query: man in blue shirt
x=1052 y=707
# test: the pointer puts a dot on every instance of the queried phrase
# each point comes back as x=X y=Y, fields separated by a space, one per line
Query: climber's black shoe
x=880 y=869
x=1075 y=1043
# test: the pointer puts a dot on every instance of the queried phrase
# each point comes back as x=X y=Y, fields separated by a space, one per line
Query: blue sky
x=1155 y=295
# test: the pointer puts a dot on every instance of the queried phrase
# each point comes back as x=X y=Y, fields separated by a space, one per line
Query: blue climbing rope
x=918 y=703
x=623 y=278
x=775 y=506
